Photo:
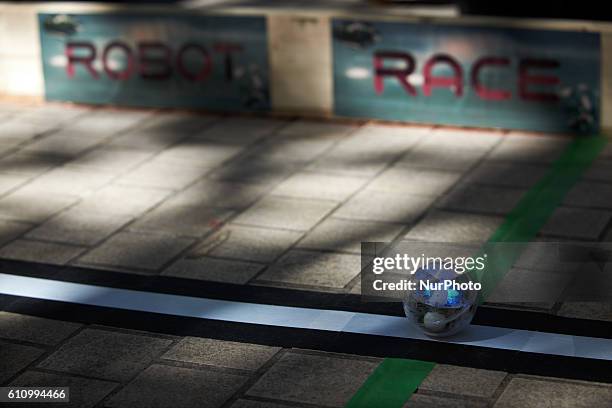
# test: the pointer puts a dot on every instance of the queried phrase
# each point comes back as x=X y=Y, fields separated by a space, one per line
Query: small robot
x=356 y=34
x=579 y=103
x=440 y=313
x=61 y=25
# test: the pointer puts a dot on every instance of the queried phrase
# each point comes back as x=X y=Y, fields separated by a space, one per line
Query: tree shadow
x=166 y=169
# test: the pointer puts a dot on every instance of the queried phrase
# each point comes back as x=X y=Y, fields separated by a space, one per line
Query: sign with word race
x=176 y=61
x=468 y=76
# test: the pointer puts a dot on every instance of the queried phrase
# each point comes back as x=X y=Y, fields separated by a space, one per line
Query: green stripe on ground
x=394 y=381
x=522 y=224
x=391 y=384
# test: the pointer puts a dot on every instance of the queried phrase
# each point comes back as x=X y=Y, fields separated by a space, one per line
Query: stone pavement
x=268 y=201
x=112 y=367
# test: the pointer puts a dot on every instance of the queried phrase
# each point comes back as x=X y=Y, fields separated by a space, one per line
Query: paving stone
x=241 y=130
x=319 y=186
x=30 y=165
x=159 y=174
x=199 y=153
x=412 y=181
x=13 y=107
x=50 y=113
x=356 y=289
x=7 y=149
x=576 y=223
x=368 y=151
x=34 y=329
x=520 y=147
x=107 y=122
x=286 y=213
x=68 y=181
x=443 y=226
x=311 y=268
x=544 y=256
x=507 y=174
x=10 y=182
x=17 y=131
x=587 y=310
x=529 y=286
x=145 y=140
x=254 y=170
x=27 y=205
x=40 y=252
x=214 y=193
x=482 y=199
x=216 y=270
x=105 y=354
x=461 y=139
x=441 y=158
x=429 y=401
x=384 y=207
x=291 y=149
x=16 y=357
x=600 y=170
x=136 y=250
x=398 y=138
x=590 y=195
x=79 y=227
x=220 y=353
x=462 y=381
x=193 y=221
x=344 y=235
x=164 y=123
x=532 y=392
x=9 y=230
x=397 y=131
x=84 y=392
x=248 y=243
x=10 y=145
x=354 y=163
x=44 y=122
x=111 y=160
x=161 y=131
x=597 y=288
x=76 y=130
x=312 y=128
x=315 y=379
x=244 y=403
x=122 y=200
x=165 y=386
x=8 y=110
x=60 y=144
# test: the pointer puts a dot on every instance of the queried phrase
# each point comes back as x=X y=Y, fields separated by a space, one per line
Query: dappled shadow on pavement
x=261 y=201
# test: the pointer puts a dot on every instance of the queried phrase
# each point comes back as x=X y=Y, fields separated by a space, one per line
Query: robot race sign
x=469 y=76
x=188 y=61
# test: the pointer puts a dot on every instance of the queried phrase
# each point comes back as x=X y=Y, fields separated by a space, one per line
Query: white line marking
x=300 y=318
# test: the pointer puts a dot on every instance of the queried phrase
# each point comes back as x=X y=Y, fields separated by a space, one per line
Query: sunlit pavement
x=267 y=202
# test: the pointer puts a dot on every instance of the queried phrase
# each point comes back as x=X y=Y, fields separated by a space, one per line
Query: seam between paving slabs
x=127 y=226
x=394 y=380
